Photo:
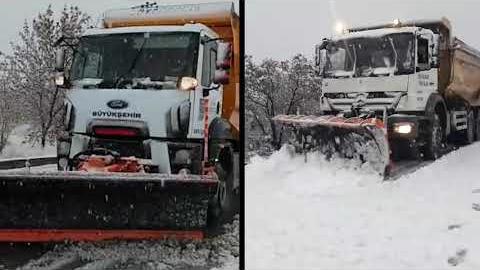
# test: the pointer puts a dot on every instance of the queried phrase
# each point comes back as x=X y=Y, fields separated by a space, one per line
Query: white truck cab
x=378 y=68
x=415 y=75
x=140 y=90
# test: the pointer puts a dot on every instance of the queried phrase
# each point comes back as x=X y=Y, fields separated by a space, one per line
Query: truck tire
x=223 y=207
x=434 y=140
x=469 y=134
x=477 y=126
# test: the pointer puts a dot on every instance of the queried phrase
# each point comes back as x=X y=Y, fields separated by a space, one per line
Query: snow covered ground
x=326 y=215
x=217 y=253
x=16 y=148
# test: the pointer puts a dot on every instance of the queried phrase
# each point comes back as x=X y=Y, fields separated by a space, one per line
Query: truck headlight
x=403 y=128
x=187 y=83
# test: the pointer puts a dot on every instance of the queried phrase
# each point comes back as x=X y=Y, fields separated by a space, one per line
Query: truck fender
x=436 y=101
x=220 y=129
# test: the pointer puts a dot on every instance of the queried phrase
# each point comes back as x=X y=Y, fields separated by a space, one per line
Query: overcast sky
x=281 y=28
x=14 y=12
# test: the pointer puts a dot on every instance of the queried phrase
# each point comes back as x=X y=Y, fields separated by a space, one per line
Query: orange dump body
x=465 y=73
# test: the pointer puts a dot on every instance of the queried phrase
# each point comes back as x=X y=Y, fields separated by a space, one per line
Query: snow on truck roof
x=212 y=14
x=374 y=33
x=435 y=25
x=143 y=29
x=444 y=22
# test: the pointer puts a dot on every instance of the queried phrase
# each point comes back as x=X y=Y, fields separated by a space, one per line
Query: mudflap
x=356 y=138
x=81 y=206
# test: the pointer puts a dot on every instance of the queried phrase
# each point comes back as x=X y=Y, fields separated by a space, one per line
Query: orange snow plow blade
x=45 y=235
x=85 y=206
x=363 y=139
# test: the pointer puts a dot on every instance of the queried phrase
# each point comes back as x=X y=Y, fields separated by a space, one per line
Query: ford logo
x=117 y=104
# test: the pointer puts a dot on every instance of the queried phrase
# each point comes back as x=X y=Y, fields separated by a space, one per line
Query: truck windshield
x=135 y=60
x=370 y=56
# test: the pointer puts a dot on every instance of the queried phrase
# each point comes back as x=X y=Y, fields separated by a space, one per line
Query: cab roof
x=141 y=29
x=442 y=23
x=374 y=33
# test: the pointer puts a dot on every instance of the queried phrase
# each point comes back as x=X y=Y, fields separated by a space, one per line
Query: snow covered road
x=217 y=253
x=327 y=215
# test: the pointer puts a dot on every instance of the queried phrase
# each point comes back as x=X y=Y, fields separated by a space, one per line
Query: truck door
x=426 y=77
x=207 y=74
x=208 y=70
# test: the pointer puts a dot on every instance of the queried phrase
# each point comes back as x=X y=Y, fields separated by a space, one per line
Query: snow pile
x=327 y=215
x=220 y=252
x=17 y=147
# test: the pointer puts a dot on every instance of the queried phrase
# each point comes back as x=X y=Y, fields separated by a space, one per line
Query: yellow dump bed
x=465 y=73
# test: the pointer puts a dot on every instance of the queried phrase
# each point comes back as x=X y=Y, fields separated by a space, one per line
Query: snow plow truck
x=391 y=92
x=149 y=148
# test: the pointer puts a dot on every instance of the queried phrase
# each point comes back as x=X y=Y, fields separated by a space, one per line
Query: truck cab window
x=422 y=54
x=149 y=60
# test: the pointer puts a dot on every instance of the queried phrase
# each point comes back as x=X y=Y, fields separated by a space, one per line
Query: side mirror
x=221 y=77
x=320 y=59
x=60 y=60
x=317 y=55
x=224 y=55
x=318 y=51
x=434 y=62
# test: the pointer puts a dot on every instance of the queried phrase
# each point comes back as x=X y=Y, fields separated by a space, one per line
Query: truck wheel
x=467 y=136
x=434 y=142
x=222 y=207
x=470 y=131
x=477 y=127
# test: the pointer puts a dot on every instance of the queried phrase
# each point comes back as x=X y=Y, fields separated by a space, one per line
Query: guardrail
x=15 y=163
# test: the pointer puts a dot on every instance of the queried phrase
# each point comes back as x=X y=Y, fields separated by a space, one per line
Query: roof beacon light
x=396 y=22
x=339 y=27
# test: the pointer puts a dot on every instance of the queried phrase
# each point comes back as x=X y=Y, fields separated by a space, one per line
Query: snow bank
x=326 y=215
x=16 y=148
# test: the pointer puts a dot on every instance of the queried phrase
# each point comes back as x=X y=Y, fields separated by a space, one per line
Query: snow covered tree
x=33 y=63
x=279 y=87
x=9 y=116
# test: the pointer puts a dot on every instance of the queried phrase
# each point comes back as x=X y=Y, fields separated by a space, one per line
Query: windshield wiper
x=134 y=63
